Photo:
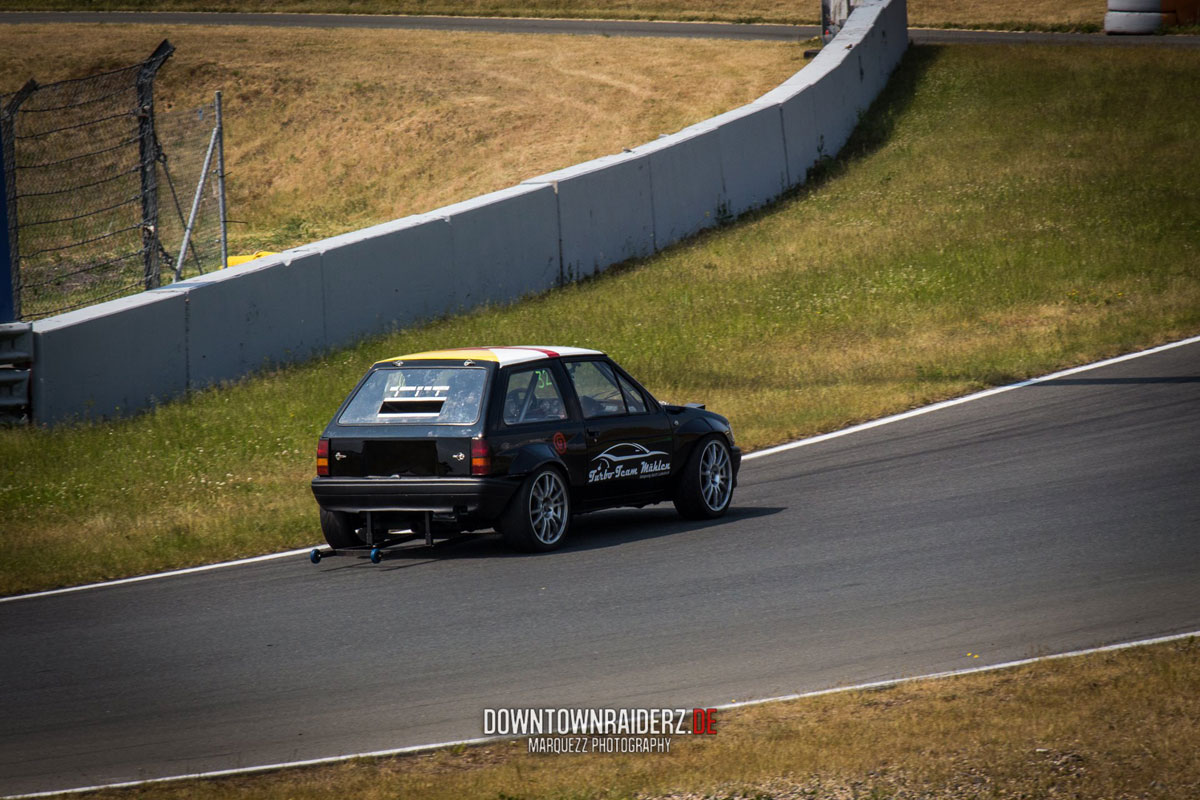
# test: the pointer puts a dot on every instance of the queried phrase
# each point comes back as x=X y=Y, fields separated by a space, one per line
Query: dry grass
x=332 y=130
x=1117 y=726
x=1034 y=14
x=1008 y=14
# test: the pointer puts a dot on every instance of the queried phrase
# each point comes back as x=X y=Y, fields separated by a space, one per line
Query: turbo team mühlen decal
x=629 y=460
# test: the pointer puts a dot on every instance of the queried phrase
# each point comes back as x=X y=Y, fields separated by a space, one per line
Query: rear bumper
x=481 y=498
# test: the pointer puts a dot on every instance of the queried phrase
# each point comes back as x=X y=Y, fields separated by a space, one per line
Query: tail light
x=481 y=457
x=323 y=458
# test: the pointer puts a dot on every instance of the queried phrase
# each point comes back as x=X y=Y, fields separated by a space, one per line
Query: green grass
x=999 y=214
x=1029 y=732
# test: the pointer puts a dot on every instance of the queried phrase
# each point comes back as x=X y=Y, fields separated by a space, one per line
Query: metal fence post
x=187 y=232
x=10 y=265
x=221 y=183
x=10 y=288
x=148 y=150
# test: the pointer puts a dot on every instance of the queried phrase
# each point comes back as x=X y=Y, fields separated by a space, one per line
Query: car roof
x=500 y=355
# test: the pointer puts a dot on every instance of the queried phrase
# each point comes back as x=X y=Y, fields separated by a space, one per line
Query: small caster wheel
x=315 y=556
x=376 y=555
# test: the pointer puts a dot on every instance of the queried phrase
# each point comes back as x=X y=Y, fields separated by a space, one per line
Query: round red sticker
x=560 y=443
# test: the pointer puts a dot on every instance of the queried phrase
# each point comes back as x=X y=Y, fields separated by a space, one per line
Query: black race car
x=512 y=438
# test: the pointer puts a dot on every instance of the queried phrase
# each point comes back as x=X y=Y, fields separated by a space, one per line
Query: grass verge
x=1118 y=725
x=991 y=220
x=1073 y=15
x=408 y=120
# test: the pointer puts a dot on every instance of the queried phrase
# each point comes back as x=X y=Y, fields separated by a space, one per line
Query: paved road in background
x=695 y=30
x=1057 y=516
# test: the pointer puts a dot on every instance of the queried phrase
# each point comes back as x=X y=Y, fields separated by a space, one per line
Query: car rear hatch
x=410 y=421
x=374 y=457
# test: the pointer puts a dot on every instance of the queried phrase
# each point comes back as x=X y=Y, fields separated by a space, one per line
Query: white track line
x=750 y=456
x=964 y=671
x=916 y=412
x=492 y=739
x=223 y=773
x=157 y=575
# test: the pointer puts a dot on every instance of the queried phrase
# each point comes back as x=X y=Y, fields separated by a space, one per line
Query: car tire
x=706 y=487
x=338 y=527
x=538 y=516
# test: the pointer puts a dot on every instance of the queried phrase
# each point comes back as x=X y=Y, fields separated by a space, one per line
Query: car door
x=533 y=410
x=629 y=441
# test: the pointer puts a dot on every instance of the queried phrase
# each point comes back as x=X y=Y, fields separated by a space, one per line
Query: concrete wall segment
x=1132 y=22
x=385 y=277
x=240 y=320
x=754 y=166
x=1142 y=6
x=110 y=359
x=895 y=26
x=801 y=133
x=833 y=114
x=685 y=181
x=868 y=51
x=605 y=212
x=503 y=245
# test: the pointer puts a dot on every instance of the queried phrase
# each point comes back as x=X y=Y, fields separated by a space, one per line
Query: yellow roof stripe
x=472 y=353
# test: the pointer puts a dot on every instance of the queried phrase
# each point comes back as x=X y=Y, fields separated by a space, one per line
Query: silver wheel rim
x=548 y=508
x=716 y=476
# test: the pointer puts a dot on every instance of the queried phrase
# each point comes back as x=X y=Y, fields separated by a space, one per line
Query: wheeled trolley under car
x=517 y=439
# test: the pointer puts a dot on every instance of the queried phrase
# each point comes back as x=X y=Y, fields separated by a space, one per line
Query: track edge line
x=956 y=401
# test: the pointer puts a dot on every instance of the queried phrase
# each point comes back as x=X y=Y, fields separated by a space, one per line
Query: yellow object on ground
x=235 y=260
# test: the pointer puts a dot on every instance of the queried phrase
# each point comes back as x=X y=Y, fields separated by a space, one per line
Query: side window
x=532 y=395
x=597 y=388
x=633 y=398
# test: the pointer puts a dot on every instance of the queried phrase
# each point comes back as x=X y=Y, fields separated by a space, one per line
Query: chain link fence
x=100 y=189
x=190 y=176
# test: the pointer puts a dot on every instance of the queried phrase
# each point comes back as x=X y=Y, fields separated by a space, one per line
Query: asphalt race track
x=583 y=27
x=1052 y=517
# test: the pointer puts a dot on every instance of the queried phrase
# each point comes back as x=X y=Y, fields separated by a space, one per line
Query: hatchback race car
x=517 y=439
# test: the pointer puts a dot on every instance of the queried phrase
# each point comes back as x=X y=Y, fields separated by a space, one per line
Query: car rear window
x=418 y=395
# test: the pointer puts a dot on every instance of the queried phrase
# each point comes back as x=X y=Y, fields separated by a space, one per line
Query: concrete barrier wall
x=834 y=100
x=895 y=29
x=605 y=212
x=868 y=56
x=1149 y=16
x=503 y=245
x=753 y=156
x=123 y=356
x=687 y=193
x=111 y=359
x=369 y=283
x=802 y=137
x=270 y=312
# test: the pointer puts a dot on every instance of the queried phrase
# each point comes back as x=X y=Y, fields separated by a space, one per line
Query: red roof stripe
x=542 y=350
